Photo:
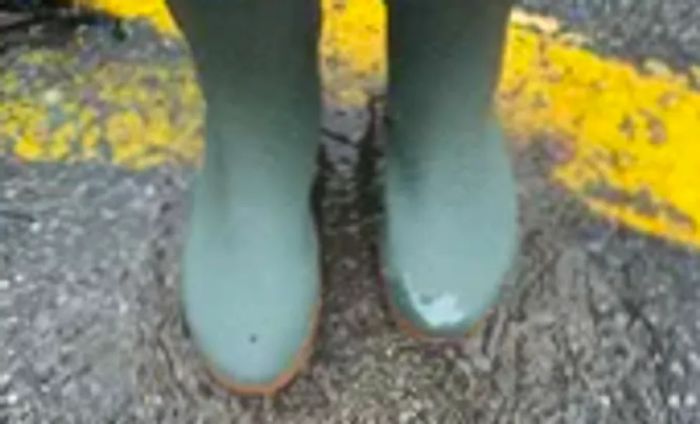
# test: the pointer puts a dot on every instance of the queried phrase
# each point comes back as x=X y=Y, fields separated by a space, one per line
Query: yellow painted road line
x=154 y=11
x=136 y=114
x=627 y=138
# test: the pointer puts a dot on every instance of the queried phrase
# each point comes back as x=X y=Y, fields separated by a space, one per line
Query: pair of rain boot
x=251 y=272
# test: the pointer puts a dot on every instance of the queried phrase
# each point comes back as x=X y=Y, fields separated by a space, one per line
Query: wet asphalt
x=598 y=323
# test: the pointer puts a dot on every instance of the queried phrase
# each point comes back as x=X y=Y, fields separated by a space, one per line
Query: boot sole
x=270 y=389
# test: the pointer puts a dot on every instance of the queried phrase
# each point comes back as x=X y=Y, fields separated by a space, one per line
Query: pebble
x=150 y=191
x=677 y=368
x=35 y=227
x=406 y=416
x=12 y=399
x=52 y=97
x=674 y=401
x=694 y=359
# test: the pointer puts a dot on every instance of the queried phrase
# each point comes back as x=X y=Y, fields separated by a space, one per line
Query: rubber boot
x=450 y=232
x=251 y=275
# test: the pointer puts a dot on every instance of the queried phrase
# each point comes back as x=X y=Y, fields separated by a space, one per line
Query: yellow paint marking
x=631 y=136
x=154 y=11
x=626 y=137
x=133 y=112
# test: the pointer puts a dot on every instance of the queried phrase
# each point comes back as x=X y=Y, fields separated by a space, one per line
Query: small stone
x=657 y=67
x=108 y=214
x=605 y=401
x=406 y=416
x=465 y=367
x=674 y=401
x=690 y=400
x=4 y=284
x=35 y=227
x=52 y=96
x=694 y=359
x=482 y=363
x=621 y=319
x=12 y=399
x=677 y=368
x=150 y=191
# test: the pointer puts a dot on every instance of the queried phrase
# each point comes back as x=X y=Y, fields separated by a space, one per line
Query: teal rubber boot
x=251 y=279
x=451 y=213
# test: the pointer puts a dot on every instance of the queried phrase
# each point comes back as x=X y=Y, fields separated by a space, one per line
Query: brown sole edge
x=286 y=378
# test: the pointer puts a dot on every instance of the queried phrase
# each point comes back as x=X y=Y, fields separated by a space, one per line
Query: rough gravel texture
x=598 y=324
x=632 y=29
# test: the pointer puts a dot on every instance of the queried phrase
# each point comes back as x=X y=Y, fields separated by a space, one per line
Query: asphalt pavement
x=598 y=322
